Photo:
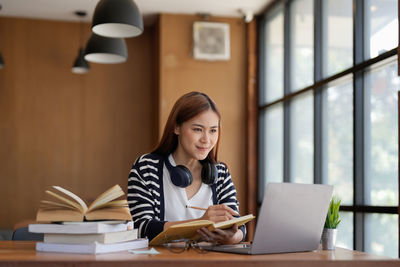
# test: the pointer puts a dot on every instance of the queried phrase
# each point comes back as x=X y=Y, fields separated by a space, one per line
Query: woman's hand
x=226 y=237
x=219 y=213
x=215 y=213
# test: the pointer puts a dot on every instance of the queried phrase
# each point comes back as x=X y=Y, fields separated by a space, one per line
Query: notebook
x=291 y=219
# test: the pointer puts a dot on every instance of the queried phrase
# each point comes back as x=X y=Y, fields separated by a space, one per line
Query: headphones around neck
x=182 y=177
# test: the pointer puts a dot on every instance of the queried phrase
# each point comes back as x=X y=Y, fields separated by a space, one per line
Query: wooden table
x=22 y=253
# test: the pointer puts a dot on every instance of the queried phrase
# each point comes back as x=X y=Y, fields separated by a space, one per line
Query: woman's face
x=197 y=136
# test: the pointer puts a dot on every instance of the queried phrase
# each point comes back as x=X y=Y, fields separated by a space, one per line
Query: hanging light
x=80 y=66
x=117 y=19
x=1 y=62
x=106 y=50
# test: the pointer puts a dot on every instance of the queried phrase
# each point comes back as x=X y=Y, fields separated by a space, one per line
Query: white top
x=175 y=198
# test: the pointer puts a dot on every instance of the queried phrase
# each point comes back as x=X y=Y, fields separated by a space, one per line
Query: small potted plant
x=332 y=221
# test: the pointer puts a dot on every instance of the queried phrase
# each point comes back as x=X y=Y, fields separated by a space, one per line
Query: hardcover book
x=66 y=206
x=189 y=230
x=104 y=238
x=81 y=227
x=91 y=248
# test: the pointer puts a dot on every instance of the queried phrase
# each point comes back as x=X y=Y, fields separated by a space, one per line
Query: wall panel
x=58 y=128
x=224 y=81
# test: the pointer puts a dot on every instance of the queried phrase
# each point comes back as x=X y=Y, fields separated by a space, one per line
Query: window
x=301 y=139
x=346 y=233
x=273 y=32
x=381 y=234
x=337 y=136
x=381 y=22
x=328 y=110
x=337 y=36
x=302 y=47
x=381 y=86
x=272 y=167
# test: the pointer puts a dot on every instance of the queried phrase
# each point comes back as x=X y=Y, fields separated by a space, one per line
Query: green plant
x=332 y=218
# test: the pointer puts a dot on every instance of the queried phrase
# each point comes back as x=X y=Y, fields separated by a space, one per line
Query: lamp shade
x=105 y=50
x=80 y=66
x=117 y=18
x=1 y=62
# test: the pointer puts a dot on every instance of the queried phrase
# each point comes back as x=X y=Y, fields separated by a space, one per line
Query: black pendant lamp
x=1 y=62
x=106 y=50
x=117 y=19
x=80 y=66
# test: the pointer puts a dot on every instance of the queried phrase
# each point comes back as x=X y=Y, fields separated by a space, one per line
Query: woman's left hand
x=227 y=236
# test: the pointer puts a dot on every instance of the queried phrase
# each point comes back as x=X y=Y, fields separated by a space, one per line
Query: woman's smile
x=202 y=148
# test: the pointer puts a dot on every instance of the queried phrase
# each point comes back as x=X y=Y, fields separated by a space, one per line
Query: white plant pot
x=329 y=239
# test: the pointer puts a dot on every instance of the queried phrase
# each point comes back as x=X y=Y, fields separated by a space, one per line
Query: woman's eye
x=197 y=129
x=213 y=130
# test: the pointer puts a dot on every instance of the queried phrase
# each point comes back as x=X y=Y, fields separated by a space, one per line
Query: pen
x=193 y=207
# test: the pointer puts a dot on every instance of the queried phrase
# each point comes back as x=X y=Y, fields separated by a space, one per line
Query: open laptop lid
x=291 y=217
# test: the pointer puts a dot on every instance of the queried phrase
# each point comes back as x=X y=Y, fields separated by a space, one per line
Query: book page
x=198 y=223
x=65 y=200
x=109 y=213
x=114 y=203
x=109 y=195
x=72 y=195
x=239 y=221
x=46 y=204
x=58 y=215
x=102 y=222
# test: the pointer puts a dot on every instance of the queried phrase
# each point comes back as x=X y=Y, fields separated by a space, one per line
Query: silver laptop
x=291 y=219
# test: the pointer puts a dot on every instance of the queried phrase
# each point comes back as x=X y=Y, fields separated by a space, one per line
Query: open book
x=189 y=230
x=66 y=206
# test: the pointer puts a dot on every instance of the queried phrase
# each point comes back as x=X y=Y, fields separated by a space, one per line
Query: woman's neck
x=181 y=158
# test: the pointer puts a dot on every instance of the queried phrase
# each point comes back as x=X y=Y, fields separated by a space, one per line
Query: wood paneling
x=223 y=81
x=84 y=131
x=252 y=125
x=58 y=128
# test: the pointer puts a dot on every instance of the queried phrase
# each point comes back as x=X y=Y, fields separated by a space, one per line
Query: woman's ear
x=177 y=130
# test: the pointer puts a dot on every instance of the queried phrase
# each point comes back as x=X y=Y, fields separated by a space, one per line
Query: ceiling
x=64 y=9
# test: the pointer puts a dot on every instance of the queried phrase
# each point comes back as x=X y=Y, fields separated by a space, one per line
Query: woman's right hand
x=219 y=213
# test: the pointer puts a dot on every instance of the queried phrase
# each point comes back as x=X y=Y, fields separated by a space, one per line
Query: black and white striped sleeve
x=226 y=191
x=143 y=197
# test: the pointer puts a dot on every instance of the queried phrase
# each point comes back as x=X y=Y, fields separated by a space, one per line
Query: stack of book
x=70 y=226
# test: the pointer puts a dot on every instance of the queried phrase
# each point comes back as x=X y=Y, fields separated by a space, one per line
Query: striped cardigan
x=146 y=199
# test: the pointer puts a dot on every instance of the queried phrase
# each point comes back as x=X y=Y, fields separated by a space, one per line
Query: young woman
x=183 y=171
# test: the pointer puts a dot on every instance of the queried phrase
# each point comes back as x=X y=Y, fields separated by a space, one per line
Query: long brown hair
x=185 y=108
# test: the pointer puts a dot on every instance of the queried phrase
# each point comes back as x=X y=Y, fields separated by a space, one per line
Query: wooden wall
x=82 y=132
x=224 y=81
